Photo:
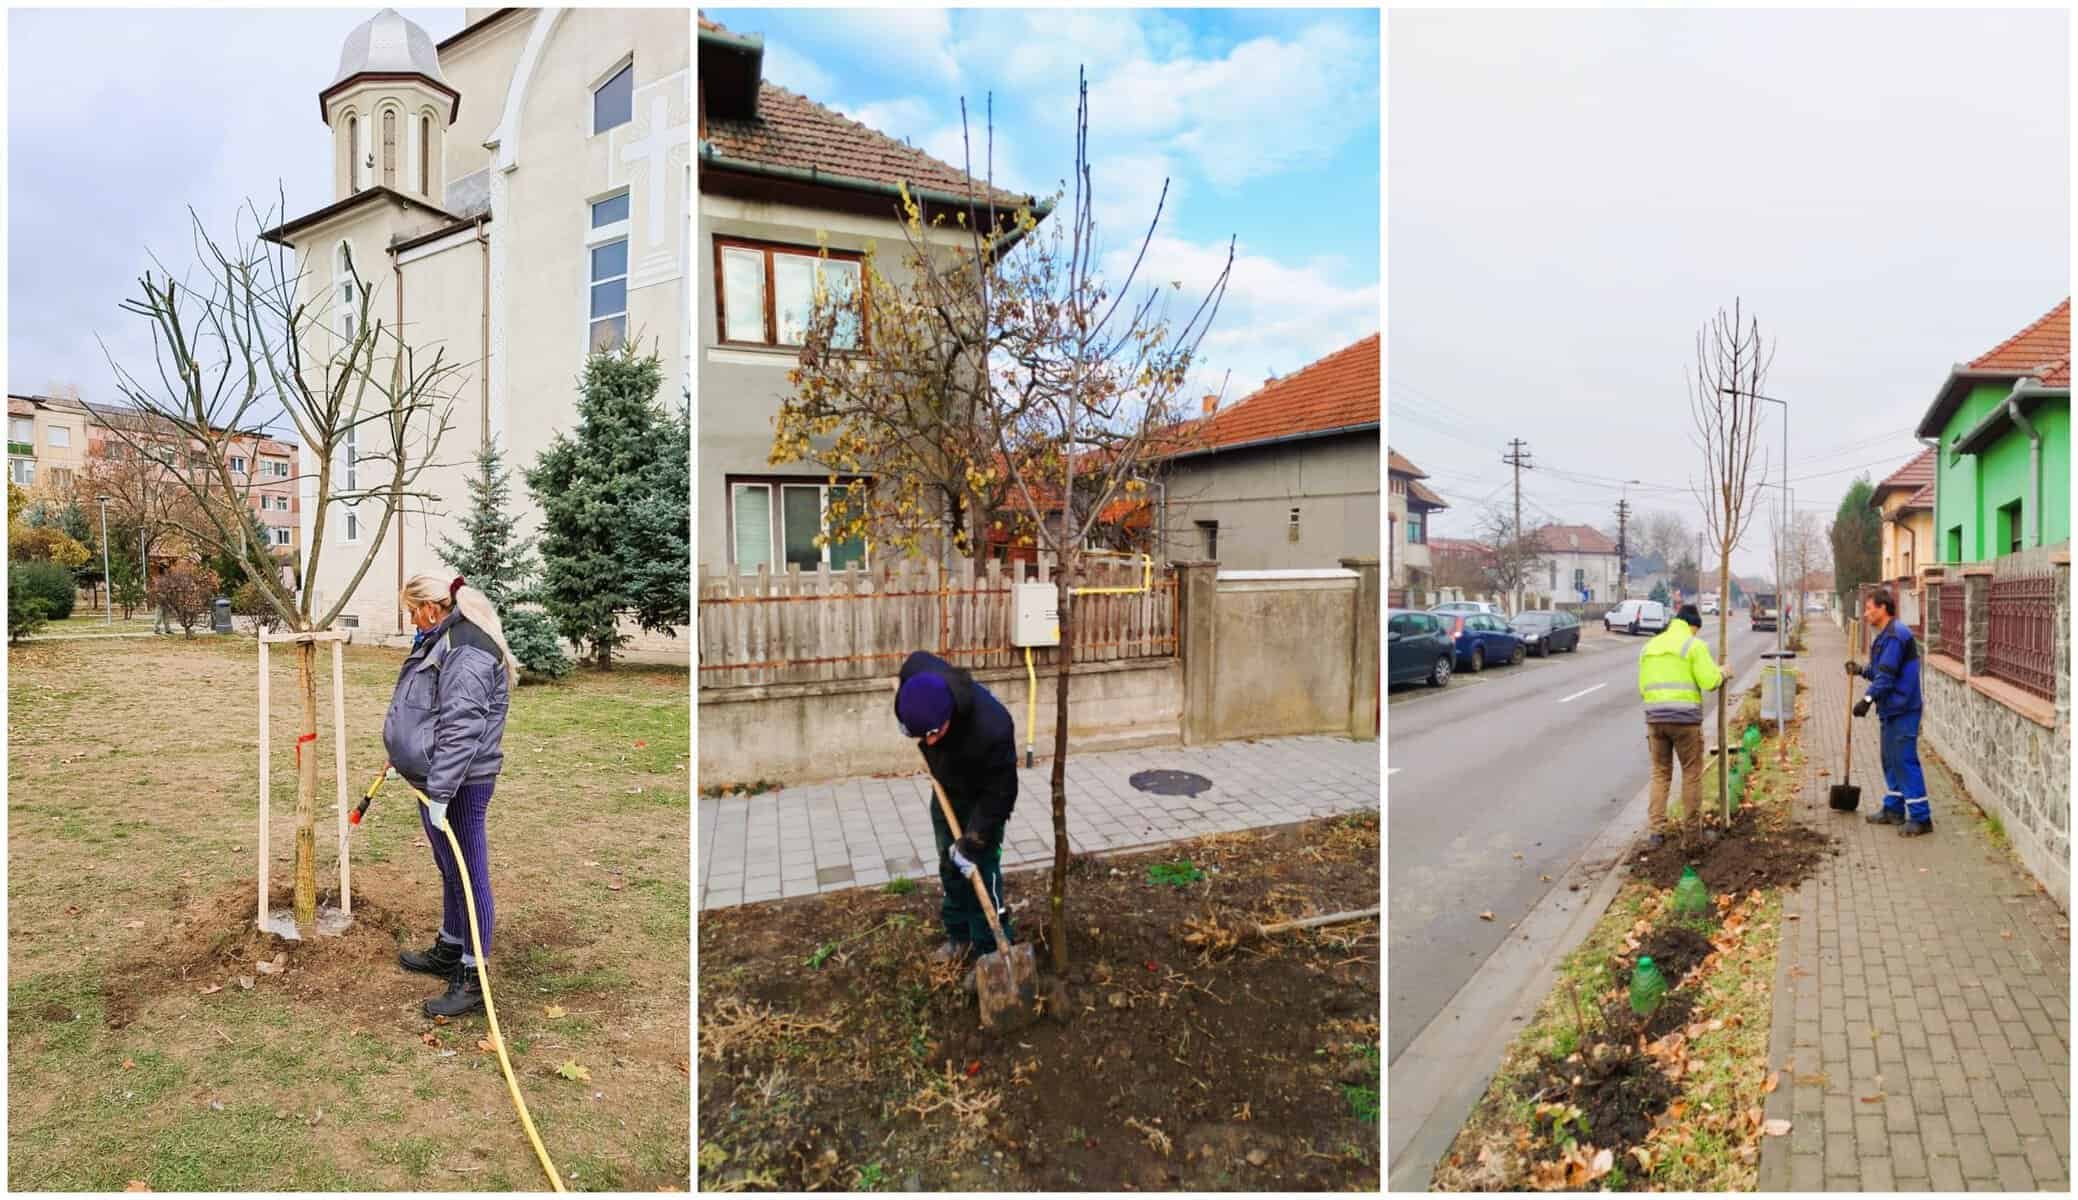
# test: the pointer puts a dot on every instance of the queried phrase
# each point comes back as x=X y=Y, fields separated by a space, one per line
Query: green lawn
x=135 y=1053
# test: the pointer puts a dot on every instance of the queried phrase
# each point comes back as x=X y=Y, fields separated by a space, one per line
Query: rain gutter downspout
x=483 y=368
x=2034 y=462
x=1934 y=444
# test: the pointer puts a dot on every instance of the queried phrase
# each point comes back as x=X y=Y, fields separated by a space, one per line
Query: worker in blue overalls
x=1893 y=675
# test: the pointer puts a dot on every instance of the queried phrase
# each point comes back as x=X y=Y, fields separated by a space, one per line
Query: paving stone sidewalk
x=1928 y=973
x=862 y=832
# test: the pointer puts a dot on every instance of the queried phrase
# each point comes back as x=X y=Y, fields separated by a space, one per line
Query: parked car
x=1814 y=605
x=1547 y=631
x=1708 y=608
x=1417 y=648
x=1636 y=616
x=1469 y=606
x=1482 y=638
x=1764 y=614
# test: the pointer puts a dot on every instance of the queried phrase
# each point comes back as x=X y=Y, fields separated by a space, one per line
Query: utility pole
x=1623 y=549
x=1518 y=458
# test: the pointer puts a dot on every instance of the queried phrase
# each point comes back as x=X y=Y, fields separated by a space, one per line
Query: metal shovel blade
x=1844 y=797
x=1007 y=984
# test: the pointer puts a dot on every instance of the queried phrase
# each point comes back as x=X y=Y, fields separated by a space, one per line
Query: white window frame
x=775 y=533
x=238 y=464
x=391 y=108
x=350 y=523
x=345 y=302
x=281 y=535
x=22 y=471
x=58 y=436
x=12 y=428
x=771 y=558
x=591 y=94
x=594 y=238
x=268 y=466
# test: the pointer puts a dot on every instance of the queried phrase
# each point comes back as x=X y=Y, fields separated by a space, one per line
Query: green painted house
x=2002 y=425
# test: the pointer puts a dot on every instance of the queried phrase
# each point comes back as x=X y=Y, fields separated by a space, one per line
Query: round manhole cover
x=1171 y=783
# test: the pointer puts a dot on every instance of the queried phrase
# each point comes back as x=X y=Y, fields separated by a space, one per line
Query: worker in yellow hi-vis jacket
x=1674 y=670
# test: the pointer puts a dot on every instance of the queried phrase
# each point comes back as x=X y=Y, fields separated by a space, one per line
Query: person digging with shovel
x=1893 y=675
x=970 y=746
x=444 y=734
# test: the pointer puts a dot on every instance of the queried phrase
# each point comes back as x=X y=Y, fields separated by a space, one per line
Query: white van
x=1636 y=616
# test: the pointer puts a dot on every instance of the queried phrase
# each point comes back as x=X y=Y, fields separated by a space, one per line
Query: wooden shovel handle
x=988 y=909
x=1847 y=767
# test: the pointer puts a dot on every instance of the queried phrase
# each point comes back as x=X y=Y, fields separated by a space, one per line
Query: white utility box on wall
x=1037 y=618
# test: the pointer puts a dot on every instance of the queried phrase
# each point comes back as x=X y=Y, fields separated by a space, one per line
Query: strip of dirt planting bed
x=1759 y=852
x=1189 y=1055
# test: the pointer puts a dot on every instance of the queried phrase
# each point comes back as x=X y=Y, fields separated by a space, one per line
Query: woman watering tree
x=443 y=734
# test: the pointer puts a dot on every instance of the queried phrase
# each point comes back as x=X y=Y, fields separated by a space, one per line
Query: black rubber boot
x=1916 y=828
x=1885 y=816
x=437 y=959
x=464 y=994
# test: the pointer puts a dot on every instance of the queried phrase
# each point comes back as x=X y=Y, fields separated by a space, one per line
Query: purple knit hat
x=923 y=704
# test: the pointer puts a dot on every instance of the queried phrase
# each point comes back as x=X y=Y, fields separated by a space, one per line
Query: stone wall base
x=2013 y=768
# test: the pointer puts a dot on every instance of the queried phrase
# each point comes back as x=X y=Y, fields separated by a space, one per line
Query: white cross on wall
x=656 y=147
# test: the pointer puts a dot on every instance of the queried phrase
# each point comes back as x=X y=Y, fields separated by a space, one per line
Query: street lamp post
x=1735 y=393
x=107 y=580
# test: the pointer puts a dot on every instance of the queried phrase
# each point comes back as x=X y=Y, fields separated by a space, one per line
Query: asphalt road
x=1493 y=783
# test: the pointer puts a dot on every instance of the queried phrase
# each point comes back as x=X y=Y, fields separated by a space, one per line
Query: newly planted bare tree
x=240 y=345
x=1724 y=401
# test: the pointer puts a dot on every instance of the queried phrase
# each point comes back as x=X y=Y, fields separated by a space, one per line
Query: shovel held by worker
x=1007 y=981
x=1845 y=796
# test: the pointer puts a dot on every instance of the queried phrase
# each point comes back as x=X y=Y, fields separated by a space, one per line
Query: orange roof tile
x=1910 y=477
x=1923 y=499
x=1561 y=539
x=2043 y=349
x=1416 y=490
x=791 y=130
x=1399 y=464
x=1337 y=392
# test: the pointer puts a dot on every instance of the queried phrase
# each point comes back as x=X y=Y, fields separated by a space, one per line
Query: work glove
x=1853 y=667
x=436 y=811
x=971 y=846
x=1862 y=709
x=960 y=860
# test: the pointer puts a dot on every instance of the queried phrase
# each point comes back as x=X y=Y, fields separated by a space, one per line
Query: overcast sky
x=1571 y=196
x=1264 y=121
x=117 y=121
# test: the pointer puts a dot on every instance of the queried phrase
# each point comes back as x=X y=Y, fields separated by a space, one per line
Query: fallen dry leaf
x=2007 y=934
x=428 y=1038
x=1774 y=1081
x=266 y=968
x=212 y=989
x=484 y=1044
x=1875 y=1099
x=1775 y=1128
x=137 y=1185
x=1487 y=915
x=245 y=982
x=133 y=924
x=129 y=1064
x=554 y=1011
x=614 y=884
x=572 y=1071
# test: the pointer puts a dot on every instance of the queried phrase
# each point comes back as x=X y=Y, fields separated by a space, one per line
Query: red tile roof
x=793 y=131
x=1448 y=546
x=707 y=24
x=1337 y=392
x=1398 y=464
x=1416 y=490
x=1560 y=539
x=2043 y=349
x=1923 y=499
x=1910 y=477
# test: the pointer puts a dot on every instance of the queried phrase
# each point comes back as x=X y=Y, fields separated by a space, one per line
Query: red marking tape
x=308 y=737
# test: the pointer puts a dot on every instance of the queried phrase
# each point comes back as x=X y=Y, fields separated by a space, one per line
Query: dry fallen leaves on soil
x=575 y=1073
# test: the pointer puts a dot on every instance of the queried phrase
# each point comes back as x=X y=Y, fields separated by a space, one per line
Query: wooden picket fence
x=812 y=626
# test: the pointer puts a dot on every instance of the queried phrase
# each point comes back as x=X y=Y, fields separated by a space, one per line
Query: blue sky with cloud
x=1264 y=121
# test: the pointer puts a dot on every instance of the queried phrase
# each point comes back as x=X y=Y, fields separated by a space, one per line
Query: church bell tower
x=389 y=109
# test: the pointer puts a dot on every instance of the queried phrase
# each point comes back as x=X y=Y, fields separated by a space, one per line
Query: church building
x=513 y=197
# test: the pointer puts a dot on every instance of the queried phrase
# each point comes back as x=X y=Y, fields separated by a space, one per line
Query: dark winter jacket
x=446 y=724
x=976 y=760
x=1893 y=671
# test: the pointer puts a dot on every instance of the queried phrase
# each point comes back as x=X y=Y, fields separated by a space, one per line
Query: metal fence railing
x=2022 y=646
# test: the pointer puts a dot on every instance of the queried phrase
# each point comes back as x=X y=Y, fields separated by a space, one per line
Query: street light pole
x=1735 y=392
x=107 y=580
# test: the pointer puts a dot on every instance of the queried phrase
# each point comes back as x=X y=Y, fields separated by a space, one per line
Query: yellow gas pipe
x=1032 y=675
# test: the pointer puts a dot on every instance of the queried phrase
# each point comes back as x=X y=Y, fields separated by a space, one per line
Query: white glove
x=960 y=860
x=437 y=812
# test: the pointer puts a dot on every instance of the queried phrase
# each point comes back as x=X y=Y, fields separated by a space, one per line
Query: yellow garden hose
x=483 y=980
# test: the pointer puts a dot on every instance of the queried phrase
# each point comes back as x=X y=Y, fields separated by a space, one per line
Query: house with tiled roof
x=1408 y=504
x=1905 y=498
x=792 y=193
x=2001 y=482
x=1285 y=477
x=1581 y=564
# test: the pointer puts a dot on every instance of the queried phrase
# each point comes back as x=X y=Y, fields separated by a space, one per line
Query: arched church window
x=425 y=156
x=389 y=147
x=353 y=154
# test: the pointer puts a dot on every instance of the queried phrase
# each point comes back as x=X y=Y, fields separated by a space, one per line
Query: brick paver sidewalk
x=862 y=832
x=1922 y=1007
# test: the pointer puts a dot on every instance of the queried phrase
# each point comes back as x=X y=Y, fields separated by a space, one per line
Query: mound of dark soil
x=1619 y=1090
x=1750 y=855
x=1619 y=1022
x=1674 y=949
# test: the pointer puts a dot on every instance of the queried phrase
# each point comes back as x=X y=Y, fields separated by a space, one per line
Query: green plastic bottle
x=1690 y=896
x=1751 y=739
x=1648 y=987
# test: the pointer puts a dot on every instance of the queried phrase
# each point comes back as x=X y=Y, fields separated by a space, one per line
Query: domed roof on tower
x=388 y=44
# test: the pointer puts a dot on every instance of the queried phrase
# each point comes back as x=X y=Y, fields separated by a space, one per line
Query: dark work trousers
x=466 y=815
x=960 y=910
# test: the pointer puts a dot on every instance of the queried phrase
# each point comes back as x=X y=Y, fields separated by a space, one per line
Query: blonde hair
x=476 y=608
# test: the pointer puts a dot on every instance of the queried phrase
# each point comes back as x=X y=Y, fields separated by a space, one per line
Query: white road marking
x=1582 y=692
x=1390 y=771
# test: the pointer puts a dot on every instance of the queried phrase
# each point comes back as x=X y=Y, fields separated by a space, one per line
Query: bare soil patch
x=1757 y=852
x=1174 y=1064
